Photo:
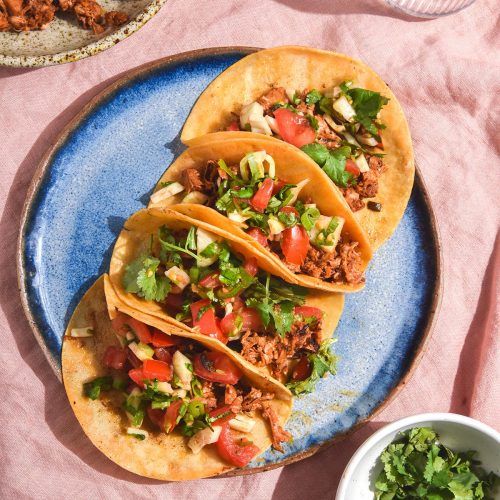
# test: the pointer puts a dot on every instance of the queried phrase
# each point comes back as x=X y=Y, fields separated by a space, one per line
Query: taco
x=182 y=407
x=335 y=108
x=279 y=200
x=204 y=280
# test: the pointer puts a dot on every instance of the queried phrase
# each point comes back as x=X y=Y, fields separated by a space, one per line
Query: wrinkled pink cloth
x=445 y=73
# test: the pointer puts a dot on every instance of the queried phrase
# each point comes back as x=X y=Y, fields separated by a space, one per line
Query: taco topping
x=278 y=217
x=185 y=388
x=202 y=282
x=338 y=128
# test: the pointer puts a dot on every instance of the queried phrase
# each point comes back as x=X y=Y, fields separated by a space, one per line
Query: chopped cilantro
x=322 y=362
x=165 y=184
x=140 y=277
x=418 y=465
x=313 y=97
x=275 y=301
x=152 y=286
x=367 y=105
x=93 y=389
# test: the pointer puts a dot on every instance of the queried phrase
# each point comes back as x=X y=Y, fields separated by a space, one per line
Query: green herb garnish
x=322 y=362
x=418 y=465
x=93 y=389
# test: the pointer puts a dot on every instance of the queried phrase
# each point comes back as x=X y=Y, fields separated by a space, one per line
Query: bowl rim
x=397 y=425
x=90 y=49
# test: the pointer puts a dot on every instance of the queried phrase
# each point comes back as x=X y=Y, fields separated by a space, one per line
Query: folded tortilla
x=161 y=456
x=291 y=165
x=305 y=68
x=136 y=235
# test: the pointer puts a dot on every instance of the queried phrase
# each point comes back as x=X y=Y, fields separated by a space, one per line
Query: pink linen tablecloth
x=445 y=73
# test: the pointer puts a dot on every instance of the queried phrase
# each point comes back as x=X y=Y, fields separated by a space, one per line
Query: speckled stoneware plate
x=65 y=41
x=104 y=167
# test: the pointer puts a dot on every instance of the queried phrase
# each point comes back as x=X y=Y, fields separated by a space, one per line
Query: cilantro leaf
x=140 y=277
x=335 y=167
x=322 y=362
x=152 y=286
x=366 y=103
x=316 y=152
x=283 y=317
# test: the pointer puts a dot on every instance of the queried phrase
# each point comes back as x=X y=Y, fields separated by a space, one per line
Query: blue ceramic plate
x=104 y=167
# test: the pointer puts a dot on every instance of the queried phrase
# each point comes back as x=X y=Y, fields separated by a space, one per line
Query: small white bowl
x=456 y=431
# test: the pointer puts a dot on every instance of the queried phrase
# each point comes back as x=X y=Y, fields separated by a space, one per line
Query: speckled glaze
x=65 y=41
x=103 y=168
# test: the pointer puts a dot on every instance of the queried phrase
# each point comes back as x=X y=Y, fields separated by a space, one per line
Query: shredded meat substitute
x=275 y=352
x=341 y=265
x=27 y=15
x=279 y=434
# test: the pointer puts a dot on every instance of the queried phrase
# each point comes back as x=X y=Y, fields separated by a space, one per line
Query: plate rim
x=88 y=50
x=43 y=169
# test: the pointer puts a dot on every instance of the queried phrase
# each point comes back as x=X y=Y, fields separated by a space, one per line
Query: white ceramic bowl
x=455 y=431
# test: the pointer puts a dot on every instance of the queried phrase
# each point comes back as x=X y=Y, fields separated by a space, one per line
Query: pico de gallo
x=171 y=384
x=339 y=128
x=277 y=216
x=200 y=281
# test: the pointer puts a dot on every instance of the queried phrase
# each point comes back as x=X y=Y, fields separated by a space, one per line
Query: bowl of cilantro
x=437 y=456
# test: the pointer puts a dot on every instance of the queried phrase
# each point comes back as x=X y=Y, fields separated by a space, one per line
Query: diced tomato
x=216 y=367
x=163 y=354
x=208 y=323
x=294 y=128
x=137 y=376
x=250 y=266
x=278 y=185
x=290 y=210
x=295 y=244
x=237 y=303
x=171 y=415
x=261 y=198
x=123 y=324
x=236 y=452
x=210 y=280
x=258 y=235
x=352 y=168
x=250 y=319
x=302 y=369
x=161 y=339
x=114 y=357
x=156 y=416
x=156 y=369
x=233 y=126
x=220 y=411
x=309 y=312
x=174 y=301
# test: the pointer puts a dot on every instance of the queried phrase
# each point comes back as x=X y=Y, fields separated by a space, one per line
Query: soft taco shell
x=142 y=224
x=161 y=456
x=305 y=68
x=291 y=165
